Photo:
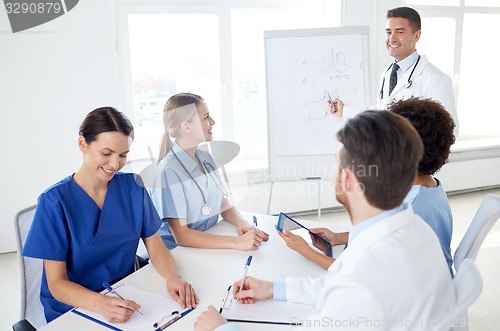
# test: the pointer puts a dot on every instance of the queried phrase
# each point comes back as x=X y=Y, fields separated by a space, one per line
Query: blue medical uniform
x=431 y=203
x=175 y=195
x=97 y=245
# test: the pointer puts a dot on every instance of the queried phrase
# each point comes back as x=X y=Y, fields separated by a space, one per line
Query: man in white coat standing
x=412 y=74
x=392 y=275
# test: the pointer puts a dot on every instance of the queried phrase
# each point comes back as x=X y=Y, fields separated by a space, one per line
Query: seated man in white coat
x=393 y=275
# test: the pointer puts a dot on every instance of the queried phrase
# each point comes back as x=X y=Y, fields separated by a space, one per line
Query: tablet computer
x=285 y=222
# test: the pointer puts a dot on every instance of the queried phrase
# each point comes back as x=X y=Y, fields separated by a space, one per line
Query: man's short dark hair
x=435 y=126
x=383 y=150
x=408 y=13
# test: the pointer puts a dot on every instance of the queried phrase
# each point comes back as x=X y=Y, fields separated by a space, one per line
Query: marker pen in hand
x=254 y=221
x=331 y=101
x=247 y=265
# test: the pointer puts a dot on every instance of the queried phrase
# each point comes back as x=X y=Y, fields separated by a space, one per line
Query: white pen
x=247 y=265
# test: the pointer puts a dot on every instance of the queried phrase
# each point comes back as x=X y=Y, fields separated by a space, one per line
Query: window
x=171 y=53
x=249 y=77
x=453 y=37
x=216 y=51
x=478 y=109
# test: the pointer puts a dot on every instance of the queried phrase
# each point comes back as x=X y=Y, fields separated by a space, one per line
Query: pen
x=247 y=265
x=331 y=101
x=223 y=304
x=110 y=289
x=255 y=221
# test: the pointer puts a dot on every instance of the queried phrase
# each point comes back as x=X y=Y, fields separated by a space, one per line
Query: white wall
x=51 y=76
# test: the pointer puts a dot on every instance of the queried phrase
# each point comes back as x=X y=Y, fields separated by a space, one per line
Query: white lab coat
x=427 y=82
x=393 y=276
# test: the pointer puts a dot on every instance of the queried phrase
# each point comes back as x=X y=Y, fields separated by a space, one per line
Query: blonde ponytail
x=179 y=108
x=165 y=146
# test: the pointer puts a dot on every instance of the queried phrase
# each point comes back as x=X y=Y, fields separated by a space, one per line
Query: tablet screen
x=285 y=222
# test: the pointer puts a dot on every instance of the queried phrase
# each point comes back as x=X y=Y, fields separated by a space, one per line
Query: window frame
x=476 y=146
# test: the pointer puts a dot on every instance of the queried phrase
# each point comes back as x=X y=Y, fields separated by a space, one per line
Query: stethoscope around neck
x=408 y=83
x=205 y=209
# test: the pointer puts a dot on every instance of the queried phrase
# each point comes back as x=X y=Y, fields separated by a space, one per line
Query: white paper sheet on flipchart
x=268 y=310
x=153 y=306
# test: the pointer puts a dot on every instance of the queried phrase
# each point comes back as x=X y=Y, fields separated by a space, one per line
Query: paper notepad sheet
x=268 y=311
x=153 y=306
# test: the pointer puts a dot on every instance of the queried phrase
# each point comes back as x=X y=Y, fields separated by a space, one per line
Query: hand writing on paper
x=209 y=320
x=247 y=228
x=252 y=289
x=182 y=292
x=250 y=238
x=115 y=309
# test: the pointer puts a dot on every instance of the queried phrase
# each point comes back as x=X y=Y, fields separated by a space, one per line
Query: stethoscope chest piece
x=206 y=210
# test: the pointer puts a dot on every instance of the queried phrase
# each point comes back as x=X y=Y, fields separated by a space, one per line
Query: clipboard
x=264 y=311
x=159 y=311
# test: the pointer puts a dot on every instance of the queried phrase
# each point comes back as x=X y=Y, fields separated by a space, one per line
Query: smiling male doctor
x=416 y=76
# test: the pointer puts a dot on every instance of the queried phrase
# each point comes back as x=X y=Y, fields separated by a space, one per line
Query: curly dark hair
x=435 y=126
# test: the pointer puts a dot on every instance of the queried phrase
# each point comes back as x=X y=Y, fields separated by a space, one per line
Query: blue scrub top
x=175 y=195
x=431 y=203
x=97 y=246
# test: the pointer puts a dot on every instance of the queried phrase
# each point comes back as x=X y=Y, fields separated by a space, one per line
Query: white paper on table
x=266 y=311
x=267 y=246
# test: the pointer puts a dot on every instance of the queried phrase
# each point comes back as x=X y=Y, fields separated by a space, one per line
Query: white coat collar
x=373 y=235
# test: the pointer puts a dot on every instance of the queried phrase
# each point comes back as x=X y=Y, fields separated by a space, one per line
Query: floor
x=483 y=315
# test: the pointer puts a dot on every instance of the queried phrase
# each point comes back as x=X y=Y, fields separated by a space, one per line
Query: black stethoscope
x=408 y=83
x=205 y=209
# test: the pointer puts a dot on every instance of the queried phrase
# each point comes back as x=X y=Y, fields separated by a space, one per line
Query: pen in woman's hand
x=112 y=290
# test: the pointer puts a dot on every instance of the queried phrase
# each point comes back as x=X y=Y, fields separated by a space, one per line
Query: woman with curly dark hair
x=427 y=196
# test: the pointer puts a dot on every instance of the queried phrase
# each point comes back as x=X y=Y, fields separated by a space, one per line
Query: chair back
x=486 y=216
x=468 y=285
x=30 y=270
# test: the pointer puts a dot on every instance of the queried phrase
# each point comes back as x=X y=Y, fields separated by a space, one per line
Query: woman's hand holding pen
x=250 y=238
x=252 y=289
x=182 y=292
x=247 y=228
x=116 y=310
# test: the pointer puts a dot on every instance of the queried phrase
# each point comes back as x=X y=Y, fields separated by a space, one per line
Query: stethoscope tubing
x=408 y=83
x=205 y=208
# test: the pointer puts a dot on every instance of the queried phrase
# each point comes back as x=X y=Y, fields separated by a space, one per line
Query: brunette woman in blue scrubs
x=87 y=227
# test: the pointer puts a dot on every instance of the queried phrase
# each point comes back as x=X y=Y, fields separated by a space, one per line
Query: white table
x=211 y=271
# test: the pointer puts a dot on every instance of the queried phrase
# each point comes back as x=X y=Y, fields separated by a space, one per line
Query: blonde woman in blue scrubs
x=87 y=227
x=188 y=192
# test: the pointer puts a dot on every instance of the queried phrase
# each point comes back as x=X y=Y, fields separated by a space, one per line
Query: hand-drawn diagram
x=304 y=70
